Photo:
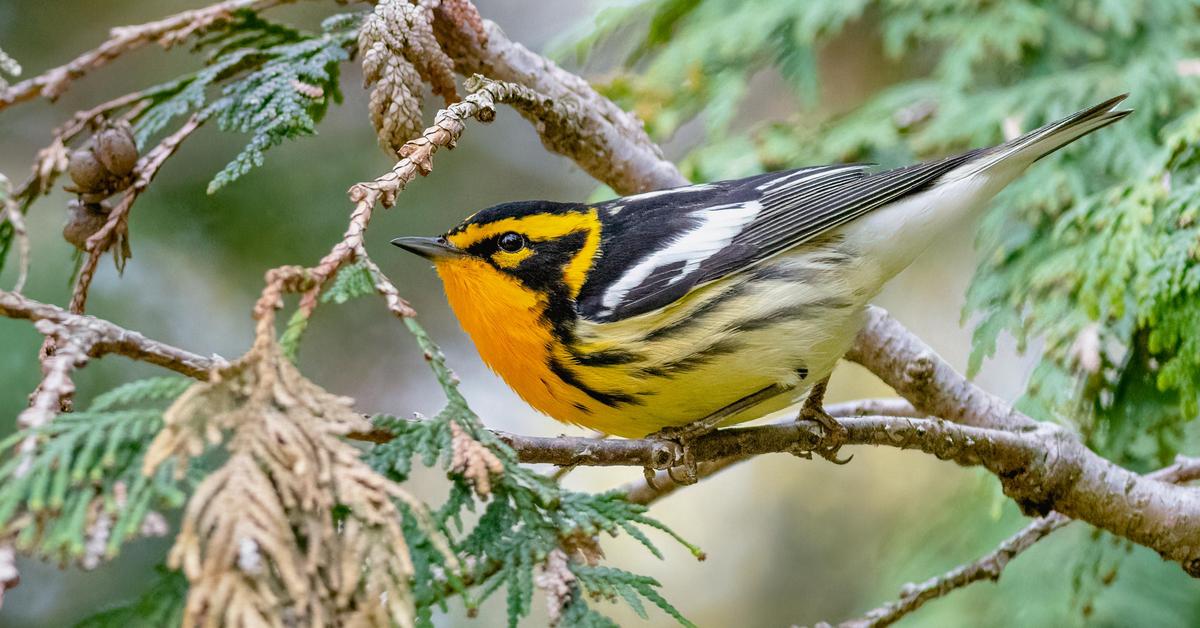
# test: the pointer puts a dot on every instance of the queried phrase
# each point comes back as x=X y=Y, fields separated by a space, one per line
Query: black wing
x=660 y=245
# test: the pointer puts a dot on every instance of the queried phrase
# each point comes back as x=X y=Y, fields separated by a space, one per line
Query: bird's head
x=539 y=248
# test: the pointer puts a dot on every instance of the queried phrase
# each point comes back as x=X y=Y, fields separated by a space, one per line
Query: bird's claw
x=681 y=467
x=834 y=434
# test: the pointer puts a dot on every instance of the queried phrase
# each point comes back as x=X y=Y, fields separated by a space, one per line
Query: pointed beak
x=429 y=248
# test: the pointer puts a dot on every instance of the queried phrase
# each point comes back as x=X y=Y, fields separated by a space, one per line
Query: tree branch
x=167 y=32
x=109 y=337
x=904 y=362
x=992 y=564
x=605 y=141
x=662 y=484
x=1043 y=469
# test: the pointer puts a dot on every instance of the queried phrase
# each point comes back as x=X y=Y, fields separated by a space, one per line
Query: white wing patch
x=718 y=226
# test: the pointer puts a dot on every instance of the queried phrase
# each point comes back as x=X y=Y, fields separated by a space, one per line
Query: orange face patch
x=505 y=321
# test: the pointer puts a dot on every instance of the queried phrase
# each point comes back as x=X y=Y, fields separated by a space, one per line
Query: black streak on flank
x=693 y=361
x=801 y=311
x=611 y=400
x=607 y=357
x=693 y=317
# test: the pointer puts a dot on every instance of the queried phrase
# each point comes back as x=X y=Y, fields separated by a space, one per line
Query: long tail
x=1040 y=142
x=896 y=234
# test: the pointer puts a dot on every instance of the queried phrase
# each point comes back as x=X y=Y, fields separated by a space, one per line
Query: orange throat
x=505 y=321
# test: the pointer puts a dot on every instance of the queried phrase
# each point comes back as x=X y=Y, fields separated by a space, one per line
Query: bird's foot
x=682 y=467
x=683 y=437
x=835 y=434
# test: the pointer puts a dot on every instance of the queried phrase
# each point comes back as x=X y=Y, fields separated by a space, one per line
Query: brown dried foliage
x=293 y=520
x=399 y=55
x=474 y=461
x=557 y=582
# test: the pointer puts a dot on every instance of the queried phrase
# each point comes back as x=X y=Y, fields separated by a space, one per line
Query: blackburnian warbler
x=729 y=299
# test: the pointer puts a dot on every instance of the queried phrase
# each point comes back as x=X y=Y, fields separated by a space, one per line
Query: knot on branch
x=1038 y=482
x=919 y=372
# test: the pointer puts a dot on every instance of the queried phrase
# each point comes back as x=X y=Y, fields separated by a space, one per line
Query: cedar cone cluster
x=102 y=167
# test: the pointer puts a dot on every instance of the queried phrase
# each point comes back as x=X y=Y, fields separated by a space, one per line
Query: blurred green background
x=788 y=541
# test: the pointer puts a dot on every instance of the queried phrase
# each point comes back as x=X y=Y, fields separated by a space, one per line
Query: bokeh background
x=788 y=541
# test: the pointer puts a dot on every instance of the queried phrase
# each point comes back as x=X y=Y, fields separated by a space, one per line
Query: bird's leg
x=685 y=435
x=835 y=433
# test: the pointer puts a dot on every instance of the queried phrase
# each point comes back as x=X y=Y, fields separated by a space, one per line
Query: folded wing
x=660 y=245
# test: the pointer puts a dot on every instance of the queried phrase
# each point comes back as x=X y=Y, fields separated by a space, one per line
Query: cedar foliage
x=152 y=446
x=1123 y=209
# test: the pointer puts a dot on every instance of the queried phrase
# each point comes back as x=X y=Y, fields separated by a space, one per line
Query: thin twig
x=999 y=450
x=416 y=159
x=992 y=564
x=24 y=251
x=111 y=338
x=117 y=224
x=640 y=491
x=14 y=217
x=74 y=348
x=167 y=32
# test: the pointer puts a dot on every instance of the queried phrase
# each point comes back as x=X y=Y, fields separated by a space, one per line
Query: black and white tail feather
x=661 y=245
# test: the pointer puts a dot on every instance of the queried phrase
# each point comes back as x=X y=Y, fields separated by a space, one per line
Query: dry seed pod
x=116 y=150
x=83 y=220
x=86 y=171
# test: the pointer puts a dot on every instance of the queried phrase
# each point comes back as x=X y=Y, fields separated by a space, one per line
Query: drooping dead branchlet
x=293 y=528
x=557 y=582
x=473 y=460
x=582 y=547
x=9 y=576
x=315 y=92
x=395 y=104
x=11 y=214
x=399 y=55
x=9 y=66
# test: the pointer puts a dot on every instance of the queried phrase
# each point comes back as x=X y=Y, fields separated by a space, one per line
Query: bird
x=709 y=304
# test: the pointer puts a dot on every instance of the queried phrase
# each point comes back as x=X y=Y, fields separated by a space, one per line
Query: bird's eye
x=511 y=242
